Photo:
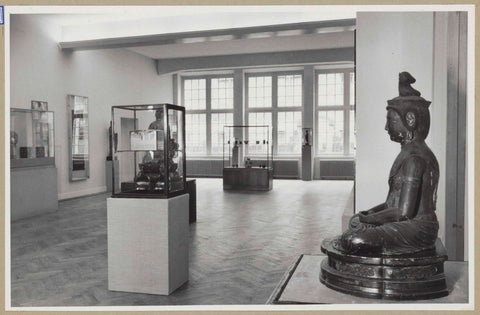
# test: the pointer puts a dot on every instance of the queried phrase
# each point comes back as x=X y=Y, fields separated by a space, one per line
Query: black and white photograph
x=239 y=157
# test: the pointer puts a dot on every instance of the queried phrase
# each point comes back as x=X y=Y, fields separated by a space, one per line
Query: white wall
x=389 y=43
x=438 y=110
x=41 y=71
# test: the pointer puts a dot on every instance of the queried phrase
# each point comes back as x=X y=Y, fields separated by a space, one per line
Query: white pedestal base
x=147 y=244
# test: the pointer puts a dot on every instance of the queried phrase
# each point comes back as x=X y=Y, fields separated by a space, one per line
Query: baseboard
x=337 y=177
x=285 y=177
x=82 y=193
x=203 y=176
x=220 y=176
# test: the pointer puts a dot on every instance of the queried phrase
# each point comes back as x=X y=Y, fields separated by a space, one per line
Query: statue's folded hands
x=381 y=217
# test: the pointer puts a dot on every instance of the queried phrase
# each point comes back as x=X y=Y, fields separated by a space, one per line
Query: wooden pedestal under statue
x=410 y=277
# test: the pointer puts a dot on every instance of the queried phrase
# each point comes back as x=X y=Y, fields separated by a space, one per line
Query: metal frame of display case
x=248 y=178
x=37 y=161
x=143 y=107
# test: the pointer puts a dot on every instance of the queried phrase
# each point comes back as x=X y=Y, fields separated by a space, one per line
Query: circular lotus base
x=406 y=277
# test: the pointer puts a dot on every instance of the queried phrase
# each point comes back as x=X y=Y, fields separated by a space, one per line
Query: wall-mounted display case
x=150 y=150
x=78 y=138
x=32 y=138
x=247 y=158
x=33 y=175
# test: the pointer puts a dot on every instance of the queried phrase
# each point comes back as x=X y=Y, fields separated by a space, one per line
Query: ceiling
x=143 y=29
x=248 y=45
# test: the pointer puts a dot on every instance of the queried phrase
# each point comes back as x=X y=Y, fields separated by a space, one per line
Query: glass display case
x=78 y=138
x=32 y=135
x=247 y=158
x=150 y=150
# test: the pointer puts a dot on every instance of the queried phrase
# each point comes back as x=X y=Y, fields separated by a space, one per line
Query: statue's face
x=395 y=127
x=159 y=114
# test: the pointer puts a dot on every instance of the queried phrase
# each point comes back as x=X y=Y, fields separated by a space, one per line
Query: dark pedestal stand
x=409 y=277
x=192 y=201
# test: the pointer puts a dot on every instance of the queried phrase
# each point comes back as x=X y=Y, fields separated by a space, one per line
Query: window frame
x=208 y=111
x=275 y=109
x=345 y=108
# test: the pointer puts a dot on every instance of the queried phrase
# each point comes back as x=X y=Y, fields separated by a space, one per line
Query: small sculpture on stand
x=13 y=144
x=391 y=251
x=115 y=142
x=248 y=162
x=307 y=136
x=235 y=154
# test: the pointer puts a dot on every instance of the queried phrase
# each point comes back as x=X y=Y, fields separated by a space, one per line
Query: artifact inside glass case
x=150 y=149
x=40 y=105
x=31 y=138
x=242 y=143
x=247 y=158
x=112 y=142
x=392 y=251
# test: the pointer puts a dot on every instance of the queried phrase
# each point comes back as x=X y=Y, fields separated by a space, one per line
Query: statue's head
x=159 y=114
x=408 y=116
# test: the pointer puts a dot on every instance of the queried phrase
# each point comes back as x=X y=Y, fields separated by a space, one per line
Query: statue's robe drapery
x=412 y=235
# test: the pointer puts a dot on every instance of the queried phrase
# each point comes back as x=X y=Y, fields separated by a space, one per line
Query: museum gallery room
x=202 y=156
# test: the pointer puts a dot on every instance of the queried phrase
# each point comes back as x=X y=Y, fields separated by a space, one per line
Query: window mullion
x=346 y=113
x=274 y=114
x=208 y=118
x=316 y=110
x=182 y=92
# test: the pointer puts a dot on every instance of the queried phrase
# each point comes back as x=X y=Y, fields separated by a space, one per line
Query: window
x=222 y=93
x=276 y=99
x=208 y=102
x=257 y=134
x=195 y=95
x=289 y=90
x=260 y=91
x=335 y=101
x=288 y=132
x=196 y=134
x=218 y=121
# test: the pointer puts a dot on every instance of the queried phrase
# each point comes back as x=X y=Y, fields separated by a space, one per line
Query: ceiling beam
x=172 y=38
x=258 y=59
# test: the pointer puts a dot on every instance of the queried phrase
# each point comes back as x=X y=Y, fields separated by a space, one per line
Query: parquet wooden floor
x=240 y=246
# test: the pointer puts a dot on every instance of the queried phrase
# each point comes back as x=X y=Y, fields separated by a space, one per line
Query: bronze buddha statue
x=406 y=222
x=391 y=251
